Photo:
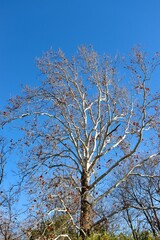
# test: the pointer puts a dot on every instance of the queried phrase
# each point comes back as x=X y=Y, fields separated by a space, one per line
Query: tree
x=139 y=197
x=3 y=153
x=81 y=124
x=8 y=197
x=9 y=216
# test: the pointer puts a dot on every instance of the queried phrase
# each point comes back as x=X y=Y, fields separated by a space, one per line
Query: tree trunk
x=85 y=218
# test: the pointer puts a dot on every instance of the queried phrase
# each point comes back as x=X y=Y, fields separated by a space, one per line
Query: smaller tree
x=3 y=153
x=9 y=217
x=139 y=196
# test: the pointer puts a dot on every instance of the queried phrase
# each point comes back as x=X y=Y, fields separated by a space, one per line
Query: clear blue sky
x=30 y=27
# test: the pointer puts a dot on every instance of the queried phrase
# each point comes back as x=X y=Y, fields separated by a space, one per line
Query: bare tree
x=9 y=214
x=139 y=197
x=83 y=122
x=3 y=154
x=5 y=205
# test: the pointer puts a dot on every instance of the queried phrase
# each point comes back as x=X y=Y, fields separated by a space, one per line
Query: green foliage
x=109 y=236
x=48 y=230
x=94 y=236
x=145 y=235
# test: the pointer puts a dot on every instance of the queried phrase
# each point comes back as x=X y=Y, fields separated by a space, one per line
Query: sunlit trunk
x=86 y=209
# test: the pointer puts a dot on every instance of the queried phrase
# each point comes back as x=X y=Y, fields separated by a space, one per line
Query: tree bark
x=86 y=209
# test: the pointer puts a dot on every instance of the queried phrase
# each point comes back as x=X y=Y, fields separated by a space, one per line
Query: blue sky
x=28 y=28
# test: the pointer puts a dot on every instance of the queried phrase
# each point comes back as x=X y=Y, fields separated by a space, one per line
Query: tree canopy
x=90 y=117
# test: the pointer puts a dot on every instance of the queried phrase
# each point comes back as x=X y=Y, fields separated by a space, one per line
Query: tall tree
x=89 y=115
